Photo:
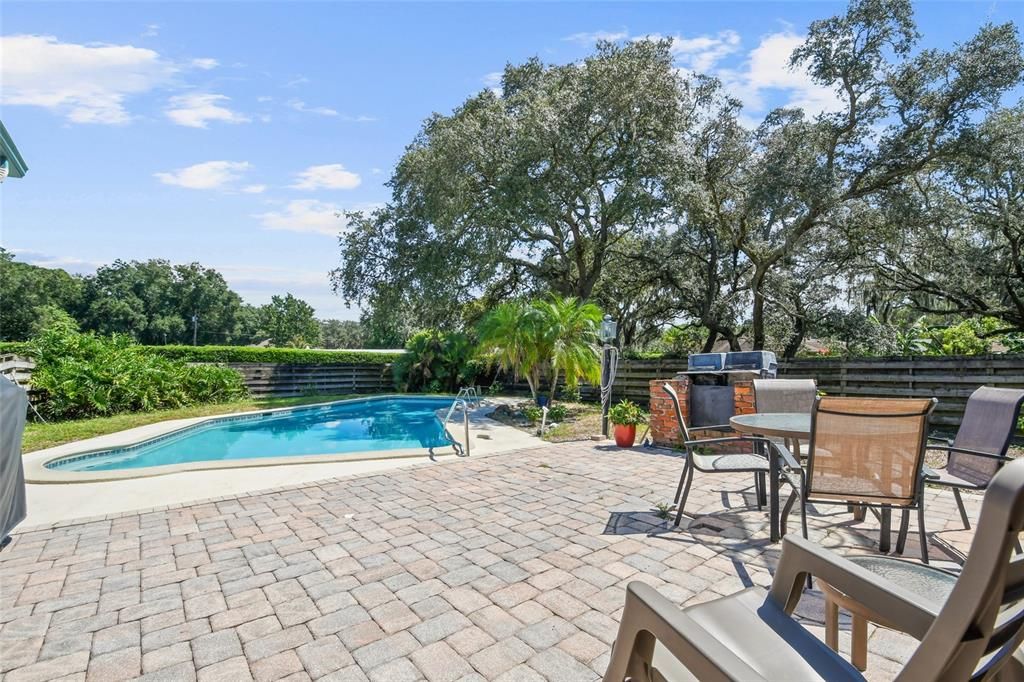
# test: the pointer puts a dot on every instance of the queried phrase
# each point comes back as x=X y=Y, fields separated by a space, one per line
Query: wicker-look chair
x=751 y=635
x=728 y=455
x=867 y=452
x=981 y=443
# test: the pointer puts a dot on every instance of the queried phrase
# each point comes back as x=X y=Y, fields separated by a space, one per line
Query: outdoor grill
x=712 y=378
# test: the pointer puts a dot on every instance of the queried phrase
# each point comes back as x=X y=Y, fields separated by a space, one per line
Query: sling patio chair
x=728 y=455
x=981 y=442
x=751 y=635
x=785 y=395
x=865 y=452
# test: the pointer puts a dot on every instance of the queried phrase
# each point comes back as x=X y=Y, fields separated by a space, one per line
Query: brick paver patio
x=507 y=567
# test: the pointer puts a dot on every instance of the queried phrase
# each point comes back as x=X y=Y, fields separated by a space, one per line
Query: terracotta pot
x=625 y=435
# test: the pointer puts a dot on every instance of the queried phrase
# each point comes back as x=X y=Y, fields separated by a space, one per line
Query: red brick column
x=664 y=426
x=743 y=397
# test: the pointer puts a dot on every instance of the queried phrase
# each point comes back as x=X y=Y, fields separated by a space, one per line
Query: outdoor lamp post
x=609 y=360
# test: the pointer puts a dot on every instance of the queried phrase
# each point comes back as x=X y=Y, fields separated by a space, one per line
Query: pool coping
x=36 y=471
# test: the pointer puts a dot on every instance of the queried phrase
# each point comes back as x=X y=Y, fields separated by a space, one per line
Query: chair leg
x=682 y=479
x=761 y=488
x=859 y=643
x=885 y=537
x=963 y=510
x=786 y=508
x=901 y=539
x=832 y=625
x=688 y=473
x=921 y=531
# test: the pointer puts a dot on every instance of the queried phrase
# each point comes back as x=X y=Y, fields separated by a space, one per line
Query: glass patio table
x=791 y=426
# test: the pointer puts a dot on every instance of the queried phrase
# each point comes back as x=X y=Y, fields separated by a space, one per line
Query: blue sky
x=229 y=133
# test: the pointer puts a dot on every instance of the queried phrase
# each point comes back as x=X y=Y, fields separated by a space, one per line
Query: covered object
x=13 y=409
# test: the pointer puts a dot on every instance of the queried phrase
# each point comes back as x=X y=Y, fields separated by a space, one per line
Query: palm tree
x=508 y=339
x=567 y=341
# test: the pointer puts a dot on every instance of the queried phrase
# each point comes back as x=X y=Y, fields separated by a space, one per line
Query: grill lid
x=705 y=362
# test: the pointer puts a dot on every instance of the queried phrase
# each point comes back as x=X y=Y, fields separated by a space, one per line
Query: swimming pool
x=371 y=424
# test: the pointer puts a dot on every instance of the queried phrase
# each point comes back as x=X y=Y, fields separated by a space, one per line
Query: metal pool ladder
x=465 y=398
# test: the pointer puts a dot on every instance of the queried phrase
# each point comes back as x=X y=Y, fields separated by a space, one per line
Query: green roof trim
x=16 y=166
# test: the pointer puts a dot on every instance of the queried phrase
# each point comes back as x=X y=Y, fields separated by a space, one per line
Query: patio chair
x=981 y=443
x=715 y=456
x=866 y=452
x=785 y=395
x=751 y=635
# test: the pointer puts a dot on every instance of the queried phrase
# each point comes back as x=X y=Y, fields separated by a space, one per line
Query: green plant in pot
x=626 y=415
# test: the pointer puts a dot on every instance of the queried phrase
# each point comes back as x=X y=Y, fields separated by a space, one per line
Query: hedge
x=13 y=348
x=280 y=356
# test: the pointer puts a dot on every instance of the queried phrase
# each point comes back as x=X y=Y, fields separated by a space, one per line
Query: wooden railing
x=17 y=368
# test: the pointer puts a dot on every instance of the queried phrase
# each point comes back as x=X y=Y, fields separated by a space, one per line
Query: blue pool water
x=355 y=426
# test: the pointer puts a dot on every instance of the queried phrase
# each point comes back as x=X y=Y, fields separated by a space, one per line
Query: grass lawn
x=39 y=435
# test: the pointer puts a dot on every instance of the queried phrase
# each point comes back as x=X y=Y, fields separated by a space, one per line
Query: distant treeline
x=155 y=301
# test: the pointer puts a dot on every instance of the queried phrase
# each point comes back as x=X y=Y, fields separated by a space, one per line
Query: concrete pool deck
x=68 y=496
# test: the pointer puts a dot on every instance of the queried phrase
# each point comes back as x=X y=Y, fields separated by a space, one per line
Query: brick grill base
x=665 y=427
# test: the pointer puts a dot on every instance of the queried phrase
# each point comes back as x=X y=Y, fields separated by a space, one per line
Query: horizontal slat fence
x=281 y=381
x=950 y=379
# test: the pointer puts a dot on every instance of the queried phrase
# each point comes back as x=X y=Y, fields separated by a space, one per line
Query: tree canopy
x=625 y=180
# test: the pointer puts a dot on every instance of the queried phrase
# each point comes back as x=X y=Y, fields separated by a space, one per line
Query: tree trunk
x=757 y=323
x=533 y=390
x=554 y=386
x=709 y=343
x=797 y=339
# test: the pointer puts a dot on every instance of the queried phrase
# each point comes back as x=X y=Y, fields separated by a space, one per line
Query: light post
x=609 y=362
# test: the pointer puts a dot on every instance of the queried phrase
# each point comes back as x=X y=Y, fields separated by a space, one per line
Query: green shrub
x=557 y=412
x=85 y=375
x=281 y=356
x=627 y=413
x=533 y=413
x=436 y=361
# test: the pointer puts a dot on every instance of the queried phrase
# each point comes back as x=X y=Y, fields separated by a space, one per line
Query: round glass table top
x=784 y=424
x=927 y=581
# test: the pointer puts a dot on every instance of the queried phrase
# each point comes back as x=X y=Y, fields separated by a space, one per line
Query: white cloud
x=151 y=31
x=591 y=37
x=329 y=176
x=492 y=81
x=299 y=105
x=766 y=71
x=205 y=63
x=86 y=83
x=72 y=264
x=195 y=110
x=254 y=189
x=208 y=175
x=305 y=215
x=298 y=80
x=701 y=53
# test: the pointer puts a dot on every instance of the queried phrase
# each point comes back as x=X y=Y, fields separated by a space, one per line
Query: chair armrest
x=965 y=451
x=947 y=441
x=720 y=427
x=786 y=456
x=700 y=652
x=928 y=472
x=907 y=611
x=727 y=439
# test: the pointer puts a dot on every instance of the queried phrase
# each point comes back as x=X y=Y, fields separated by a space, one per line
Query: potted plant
x=625 y=416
